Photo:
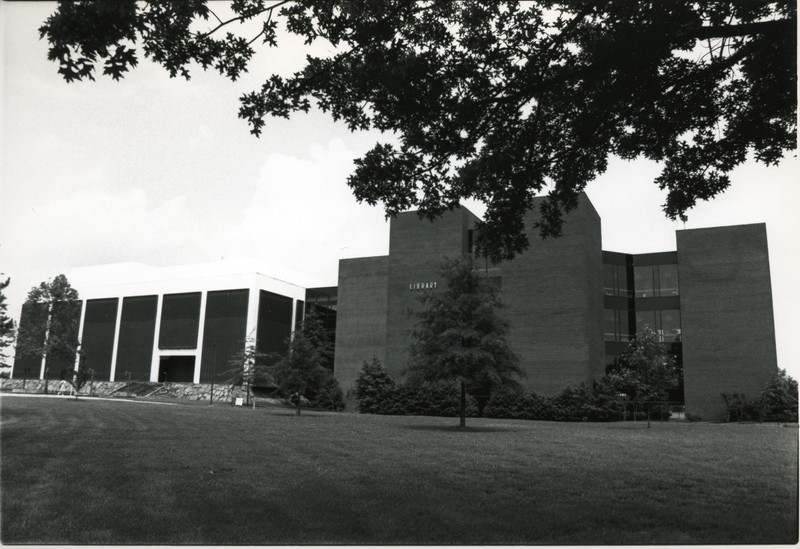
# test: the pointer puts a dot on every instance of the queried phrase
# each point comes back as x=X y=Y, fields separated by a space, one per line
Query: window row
x=655 y=280
x=648 y=281
x=666 y=323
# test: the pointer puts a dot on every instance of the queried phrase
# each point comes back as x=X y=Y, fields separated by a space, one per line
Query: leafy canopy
x=498 y=101
x=646 y=369
x=51 y=328
x=7 y=327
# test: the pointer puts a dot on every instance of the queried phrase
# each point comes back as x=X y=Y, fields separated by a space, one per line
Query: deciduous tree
x=646 y=370
x=7 y=327
x=248 y=367
x=51 y=330
x=498 y=101
x=461 y=335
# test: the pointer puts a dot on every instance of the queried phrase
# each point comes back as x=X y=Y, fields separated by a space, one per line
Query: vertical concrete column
x=116 y=340
x=198 y=361
x=252 y=312
x=156 y=355
x=80 y=334
x=294 y=316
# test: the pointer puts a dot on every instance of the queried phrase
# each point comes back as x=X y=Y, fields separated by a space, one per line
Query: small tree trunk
x=463 y=422
x=297 y=407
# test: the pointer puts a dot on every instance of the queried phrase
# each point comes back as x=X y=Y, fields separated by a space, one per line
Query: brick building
x=572 y=308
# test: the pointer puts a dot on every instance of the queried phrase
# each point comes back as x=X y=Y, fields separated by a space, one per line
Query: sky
x=162 y=171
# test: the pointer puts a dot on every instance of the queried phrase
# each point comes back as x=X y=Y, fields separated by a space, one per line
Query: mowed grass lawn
x=99 y=472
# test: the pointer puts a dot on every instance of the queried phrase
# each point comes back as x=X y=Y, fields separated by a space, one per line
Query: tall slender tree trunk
x=463 y=422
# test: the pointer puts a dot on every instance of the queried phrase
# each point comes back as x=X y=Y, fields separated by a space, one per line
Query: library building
x=571 y=305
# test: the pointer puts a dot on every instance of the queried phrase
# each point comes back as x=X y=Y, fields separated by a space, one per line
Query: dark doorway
x=176 y=369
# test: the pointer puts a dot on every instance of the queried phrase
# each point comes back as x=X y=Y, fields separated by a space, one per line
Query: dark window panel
x=180 y=321
x=136 y=335
x=646 y=318
x=670 y=325
x=98 y=336
x=30 y=340
x=644 y=282
x=274 y=323
x=299 y=308
x=668 y=280
x=224 y=332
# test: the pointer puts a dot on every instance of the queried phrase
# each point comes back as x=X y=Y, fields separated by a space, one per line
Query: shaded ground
x=102 y=472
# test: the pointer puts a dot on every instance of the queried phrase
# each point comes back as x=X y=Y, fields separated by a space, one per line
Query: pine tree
x=461 y=336
x=373 y=386
x=247 y=367
x=304 y=370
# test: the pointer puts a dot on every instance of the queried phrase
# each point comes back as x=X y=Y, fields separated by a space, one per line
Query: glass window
x=645 y=318
x=610 y=324
x=622 y=281
x=615 y=280
x=609 y=279
x=623 y=329
x=665 y=323
x=616 y=325
x=643 y=281
x=671 y=325
x=668 y=279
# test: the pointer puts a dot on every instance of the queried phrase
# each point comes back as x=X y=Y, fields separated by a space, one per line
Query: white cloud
x=99 y=226
x=303 y=213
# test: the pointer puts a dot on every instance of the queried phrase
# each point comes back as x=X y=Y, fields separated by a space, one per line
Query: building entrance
x=176 y=369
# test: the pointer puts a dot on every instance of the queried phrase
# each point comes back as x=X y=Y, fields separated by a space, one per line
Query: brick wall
x=361 y=316
x=417 y=249
x=726 y=314
x=554 y=297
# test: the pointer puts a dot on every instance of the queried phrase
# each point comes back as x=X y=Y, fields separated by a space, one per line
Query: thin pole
x=213 y=375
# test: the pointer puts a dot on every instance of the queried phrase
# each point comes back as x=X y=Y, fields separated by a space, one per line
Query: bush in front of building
x=506 y=403
x=777 y=402
x=601 y=402
x=329 y=397
x=438 y=398
x=509 y=404
x=377 y=393
x=373 y=387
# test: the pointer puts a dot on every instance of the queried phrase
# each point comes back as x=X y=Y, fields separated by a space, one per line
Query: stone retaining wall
x=185 y=391
x=53 y=387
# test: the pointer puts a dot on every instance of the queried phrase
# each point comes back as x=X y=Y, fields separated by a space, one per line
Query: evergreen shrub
x=373 y=387
x=377 y=393
x=329 y=397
